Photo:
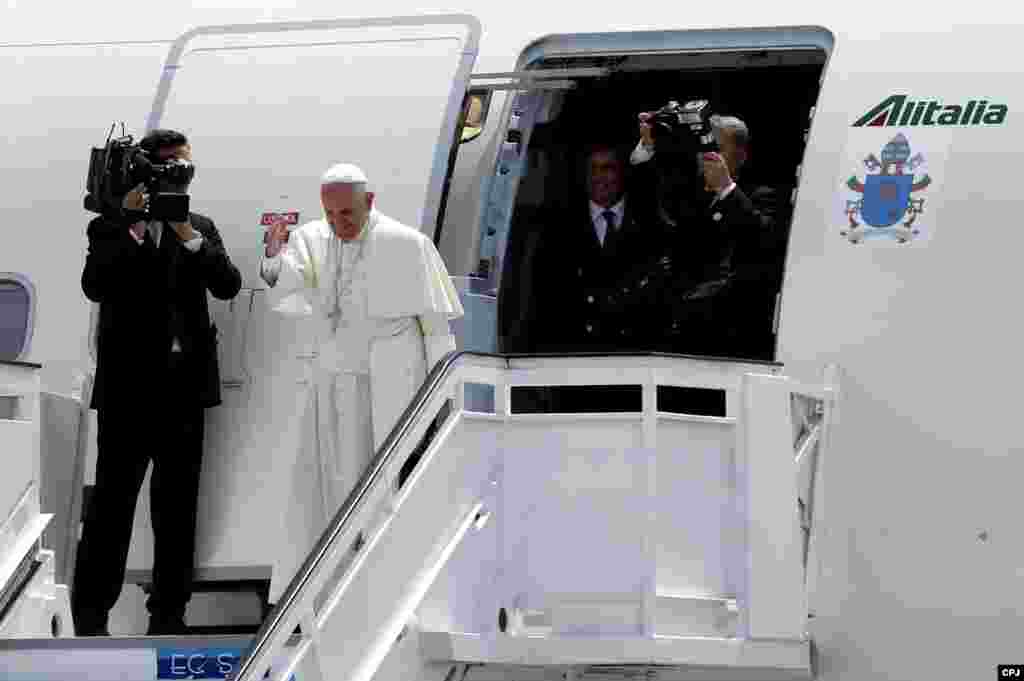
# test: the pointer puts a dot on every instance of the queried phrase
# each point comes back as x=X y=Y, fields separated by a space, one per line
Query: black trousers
x=166 y=428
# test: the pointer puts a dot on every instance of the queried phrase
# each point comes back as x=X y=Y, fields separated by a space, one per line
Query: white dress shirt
x=597 y=218
x=156 y=232
x=641 y=154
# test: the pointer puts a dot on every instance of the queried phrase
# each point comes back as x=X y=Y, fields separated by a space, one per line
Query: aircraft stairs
x=519 y=546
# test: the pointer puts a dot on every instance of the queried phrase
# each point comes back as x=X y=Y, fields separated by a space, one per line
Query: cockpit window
x=16 y=303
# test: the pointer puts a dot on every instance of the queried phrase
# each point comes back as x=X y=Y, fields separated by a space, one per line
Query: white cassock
x=382 y=304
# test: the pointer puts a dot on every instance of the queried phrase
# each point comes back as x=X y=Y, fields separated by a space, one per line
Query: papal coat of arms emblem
x=887 y=207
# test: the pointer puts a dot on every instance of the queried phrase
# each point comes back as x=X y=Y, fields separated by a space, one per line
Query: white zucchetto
x=343 y=173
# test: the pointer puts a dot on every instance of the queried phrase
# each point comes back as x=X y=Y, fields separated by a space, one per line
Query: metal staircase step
x=694 y=658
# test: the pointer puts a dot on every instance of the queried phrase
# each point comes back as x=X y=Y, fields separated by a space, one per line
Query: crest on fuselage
x=890 y=201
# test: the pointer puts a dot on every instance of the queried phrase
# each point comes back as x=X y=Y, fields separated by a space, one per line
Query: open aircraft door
x=267 y=108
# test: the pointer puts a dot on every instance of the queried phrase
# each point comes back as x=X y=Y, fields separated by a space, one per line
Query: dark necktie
x=609 y=218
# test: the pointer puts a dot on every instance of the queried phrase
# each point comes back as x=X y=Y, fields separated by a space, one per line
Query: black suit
x=571 y=269
x=727 y=269
x=707 y=289
x=150 y=404
x=756 y=222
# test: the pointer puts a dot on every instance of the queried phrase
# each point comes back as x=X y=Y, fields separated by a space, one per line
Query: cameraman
x=730 y=241
x=156 y=372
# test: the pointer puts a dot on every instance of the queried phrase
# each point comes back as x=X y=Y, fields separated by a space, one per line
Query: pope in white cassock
x=381 y=299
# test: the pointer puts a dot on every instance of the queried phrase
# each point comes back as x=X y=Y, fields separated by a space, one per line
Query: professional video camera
x=120 y=165
x=682 y=134
x=683 y=128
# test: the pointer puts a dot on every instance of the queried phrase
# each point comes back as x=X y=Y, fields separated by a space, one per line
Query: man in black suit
x=728 y=254
x=585 y=246
x=156 y=372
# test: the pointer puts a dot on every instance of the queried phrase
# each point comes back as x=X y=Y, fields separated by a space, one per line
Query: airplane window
x=474 y=114
x=15 y=316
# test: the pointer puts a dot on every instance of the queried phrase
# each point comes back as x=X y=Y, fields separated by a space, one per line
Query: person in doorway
x=731 y=247
x=585 y=247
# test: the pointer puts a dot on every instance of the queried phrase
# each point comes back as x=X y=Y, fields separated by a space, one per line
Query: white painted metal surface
x=44 y=608
x=708 y=658
x=39 y=443
x=578 y=534
x=20 y=534
x=332 y=72
x=64 y=427
x=920 y=528
x=19 y=433
x=774 y=598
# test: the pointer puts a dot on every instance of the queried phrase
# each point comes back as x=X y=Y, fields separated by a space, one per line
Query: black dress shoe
x=166 y=626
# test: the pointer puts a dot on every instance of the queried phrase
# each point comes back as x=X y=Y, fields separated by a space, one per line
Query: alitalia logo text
x=902 y=111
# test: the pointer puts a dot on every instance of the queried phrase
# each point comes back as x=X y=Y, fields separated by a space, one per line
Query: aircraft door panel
x=231 y=317
x=267 y=112
x=268 y=108
x=252 y=443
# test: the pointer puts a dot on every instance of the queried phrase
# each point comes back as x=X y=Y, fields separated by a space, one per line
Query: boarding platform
x=40 y=443
x=530 y=545
x=582 y=544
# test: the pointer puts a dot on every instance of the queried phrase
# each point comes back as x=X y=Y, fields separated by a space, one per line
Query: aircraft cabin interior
x=596 y=99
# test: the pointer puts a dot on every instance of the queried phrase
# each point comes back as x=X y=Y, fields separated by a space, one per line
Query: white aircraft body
x=903 y=319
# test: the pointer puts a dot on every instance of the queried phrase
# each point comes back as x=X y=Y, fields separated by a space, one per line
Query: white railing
x=19 y=431
x=21 y=522
x=386 y=544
